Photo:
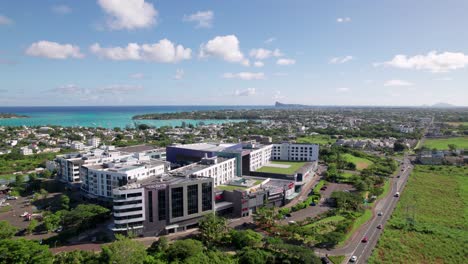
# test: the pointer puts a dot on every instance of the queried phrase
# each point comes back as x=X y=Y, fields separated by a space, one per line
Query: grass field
x=442 y=143
x=293 y=167
x=430 y=223
x=361 y=163
x=456 y=124
x=327 y=224
x=358 y=222
x=317 y=139
x=336 y=259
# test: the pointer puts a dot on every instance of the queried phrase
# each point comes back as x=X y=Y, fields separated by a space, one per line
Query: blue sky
x=142 y=52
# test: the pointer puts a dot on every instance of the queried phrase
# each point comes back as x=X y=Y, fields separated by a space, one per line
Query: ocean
x=105 y=116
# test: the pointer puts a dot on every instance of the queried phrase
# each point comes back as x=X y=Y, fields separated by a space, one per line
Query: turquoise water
x=107 y=117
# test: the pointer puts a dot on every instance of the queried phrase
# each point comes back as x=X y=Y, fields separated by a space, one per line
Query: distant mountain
x=278 y=104
x=443 y=105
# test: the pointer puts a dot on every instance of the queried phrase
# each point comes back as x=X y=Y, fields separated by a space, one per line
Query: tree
x=64 y=202
x=124 y=251
x=76 y=257
x=183 y=249
x=32 y=226
x=246 y=238
x=24 y=251
x=47 y=174
x=44 y=193
x=159 y=246
x=452 y=147
x=265 y=216
x=254 y=256
x=52 y=221
x=7 y=230
x=212 y=229
x=19 y=179
x=85 y=216
x=399 y=146
x=347 y=201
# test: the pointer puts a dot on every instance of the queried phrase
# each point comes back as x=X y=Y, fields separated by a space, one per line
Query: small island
x=11 y=116
x=204 y=115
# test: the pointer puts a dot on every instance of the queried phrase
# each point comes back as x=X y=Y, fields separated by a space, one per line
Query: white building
x=77 y=145
x=26 y=151
x=94 y=142
x=260 y=157
x=128 y=207
x=295 y=152
x=222 y=170
x=98 y=180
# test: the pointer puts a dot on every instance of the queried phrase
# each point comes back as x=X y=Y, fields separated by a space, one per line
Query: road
x=386 y=205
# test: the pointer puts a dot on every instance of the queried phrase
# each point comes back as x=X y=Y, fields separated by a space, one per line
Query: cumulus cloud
x=224 y=47
x=343 y=89
x=61 y=9
x=5 y=20
x=137 y=75
x=270 y=40
x=204 y=19
x=246 y=92
x=259 y=64
x=129 y=14
x=53 y=50
x=164 y=51
x=277 y=95
x=285 y=62
x=340 y=60
x=261 y=54
x=432 y=61
x=343 y=20
x=179 y=75
x=245 y=76
x=397 y=83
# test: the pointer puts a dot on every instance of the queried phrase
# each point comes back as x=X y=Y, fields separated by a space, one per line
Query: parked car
x=397 y=194
x=288 y=215
x=379 y=213
x=364 y=239
x=353 y=259
x=12 y=198
x=292 y=222
x=379 y=226
x=312 y=204
x=324 y=260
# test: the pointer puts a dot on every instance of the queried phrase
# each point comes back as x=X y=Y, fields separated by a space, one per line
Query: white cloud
x=343 y=89
x=245 y=75
x=277 y=95
x=285 y=62
x=137 y=75
x=397 y=83
x=70 y=89
x=164 y=51
x=129 y=14
x=119 y=89
x=224 y=47
x=340 y=60
x=5 y=20
x=270 y=40
x=179 y=74
x=203 y=18
x=53 y=50
x=61 y=9
x=433 y=61
x=259 y=64
x=343 y=20
x=261 y=54
x=246 y=92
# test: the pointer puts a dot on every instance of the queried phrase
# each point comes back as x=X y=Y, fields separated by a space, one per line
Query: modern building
x=295 y=152
x=98 y=180
x=94 y=142
x=162 y=205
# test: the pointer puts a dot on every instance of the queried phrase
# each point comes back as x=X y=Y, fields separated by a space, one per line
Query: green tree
x=123 y=251
x=24 y=251
x=85 y=216
x=265 y=216
x=346 y=201
x=76 y=257
x=47 y=174
x=52 y=221
x=19 y=179
x=452 y=147
x=246 y=238
x=255 y=256
x=213 y=229
x=183 y=249
x=159 y=247
x=64 y=202
x=7 y=230
x=32 y=226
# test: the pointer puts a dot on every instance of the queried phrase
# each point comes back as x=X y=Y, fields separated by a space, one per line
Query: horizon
x=337 y=53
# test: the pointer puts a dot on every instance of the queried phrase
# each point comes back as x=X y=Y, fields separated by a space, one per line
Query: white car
x=379 y=213
x=353 y=259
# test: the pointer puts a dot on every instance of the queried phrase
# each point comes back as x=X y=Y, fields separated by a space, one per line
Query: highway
x=362 y=250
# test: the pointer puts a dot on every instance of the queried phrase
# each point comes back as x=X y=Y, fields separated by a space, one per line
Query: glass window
x=192 y=196
x=162 y=205
x=207 y=196
x=177 y=196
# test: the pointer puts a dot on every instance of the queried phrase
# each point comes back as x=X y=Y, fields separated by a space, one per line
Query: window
x=162 y=205
x=192 y=196
x=207 y=196
x=177 y=196
x=150 y=206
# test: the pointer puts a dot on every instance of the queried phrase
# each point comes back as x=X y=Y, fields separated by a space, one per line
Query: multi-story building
x=163 y=205
x=94 y=142
x=98 y=180
x=26 y=151
x=295 y=152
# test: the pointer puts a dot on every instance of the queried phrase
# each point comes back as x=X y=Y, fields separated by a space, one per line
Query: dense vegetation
x=430 y=223
x=11 y=115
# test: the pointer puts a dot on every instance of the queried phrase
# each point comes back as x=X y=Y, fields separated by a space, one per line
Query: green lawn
x=430 y=223
x=293 y=167
x=230 y=187
x=442 y=143
x=327 y=224
x=336 y=259
x=317 y=139
x=358 y=222
x=361 y=163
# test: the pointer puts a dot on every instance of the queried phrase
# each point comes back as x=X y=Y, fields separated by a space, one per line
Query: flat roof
x=213 y=147
x=137 y=148
x=192 y=168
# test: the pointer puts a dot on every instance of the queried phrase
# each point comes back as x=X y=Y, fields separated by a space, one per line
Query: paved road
x=386 y=205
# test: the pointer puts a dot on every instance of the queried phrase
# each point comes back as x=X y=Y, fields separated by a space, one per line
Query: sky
x=213 y=52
